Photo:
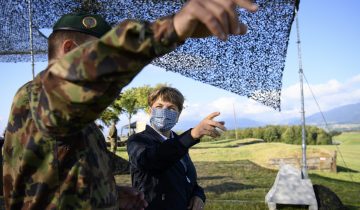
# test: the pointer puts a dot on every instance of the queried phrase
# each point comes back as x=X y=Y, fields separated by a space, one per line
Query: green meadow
x=235 y=174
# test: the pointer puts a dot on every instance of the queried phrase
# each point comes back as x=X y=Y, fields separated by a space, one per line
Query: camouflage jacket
x=54 y=155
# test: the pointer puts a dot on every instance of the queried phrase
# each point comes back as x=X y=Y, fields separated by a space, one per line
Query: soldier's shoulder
x=24 y=88
x=22 y=94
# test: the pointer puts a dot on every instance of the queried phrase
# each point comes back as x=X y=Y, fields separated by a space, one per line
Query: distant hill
x=347 y=114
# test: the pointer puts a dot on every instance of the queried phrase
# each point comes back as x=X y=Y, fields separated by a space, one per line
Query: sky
x=329 y=32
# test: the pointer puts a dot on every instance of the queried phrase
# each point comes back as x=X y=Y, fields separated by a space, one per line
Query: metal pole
x=304 y=171
x=236 y=134
x=31 y=40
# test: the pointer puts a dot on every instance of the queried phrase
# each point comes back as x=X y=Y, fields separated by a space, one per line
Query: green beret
x=90 y=24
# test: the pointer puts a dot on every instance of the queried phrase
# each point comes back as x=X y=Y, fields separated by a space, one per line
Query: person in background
x=113 y=137
x=55 y=156
x=160 y=165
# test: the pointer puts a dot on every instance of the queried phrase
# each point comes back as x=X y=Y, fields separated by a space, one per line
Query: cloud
x=354 y=80
x=243 y=107
x=329 y=95
x=224 y=105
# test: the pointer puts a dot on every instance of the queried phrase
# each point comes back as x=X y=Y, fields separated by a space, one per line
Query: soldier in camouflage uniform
x=113 y=137
x=54 y=155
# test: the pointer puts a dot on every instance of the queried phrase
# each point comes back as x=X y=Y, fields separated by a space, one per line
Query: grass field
x=348 y=157
x=234 y=173
x=348 y=138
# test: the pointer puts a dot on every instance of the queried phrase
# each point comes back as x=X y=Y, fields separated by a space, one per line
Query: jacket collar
x=157 y=136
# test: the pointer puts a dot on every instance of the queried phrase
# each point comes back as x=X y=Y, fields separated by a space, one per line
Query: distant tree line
x=284 y=134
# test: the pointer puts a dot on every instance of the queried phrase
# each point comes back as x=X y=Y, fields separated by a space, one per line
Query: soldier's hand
x=196 y=203
x=201 y=18
x=131 y=199
x=208 y=126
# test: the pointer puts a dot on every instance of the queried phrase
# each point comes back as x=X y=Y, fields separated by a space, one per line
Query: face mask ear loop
x=76 y=43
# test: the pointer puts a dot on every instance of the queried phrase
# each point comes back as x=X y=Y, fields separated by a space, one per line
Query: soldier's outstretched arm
x=77 y=88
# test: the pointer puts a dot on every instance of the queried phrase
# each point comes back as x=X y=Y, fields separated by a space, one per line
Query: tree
x=311 y=135
x=230 y=134
x=289 y=135
x=111 y=114
x=334 y=133
x=271 y=134
x=247 y=133
x=132 y=100
x=142 y=94
x=298 y=134
x=258 y=133
x=129 y=102
x=323 y=138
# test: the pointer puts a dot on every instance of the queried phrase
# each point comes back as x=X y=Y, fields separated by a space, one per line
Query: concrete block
x=290 y=188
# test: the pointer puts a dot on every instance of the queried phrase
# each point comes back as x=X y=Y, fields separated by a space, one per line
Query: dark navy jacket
x=156 y=169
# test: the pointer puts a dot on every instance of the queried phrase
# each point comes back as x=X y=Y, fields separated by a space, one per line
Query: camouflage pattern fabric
x=54 y=155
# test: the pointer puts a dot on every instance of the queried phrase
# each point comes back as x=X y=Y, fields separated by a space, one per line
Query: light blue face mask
x=163 y=119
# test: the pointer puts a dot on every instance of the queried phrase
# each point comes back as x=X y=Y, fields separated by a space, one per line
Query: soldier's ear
x=68 y=45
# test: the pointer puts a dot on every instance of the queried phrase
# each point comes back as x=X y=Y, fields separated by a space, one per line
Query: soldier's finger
x=141 y=205
x=191 y=204
x=242 y=29
x=247 y=4
x=220 y=13
x=144 y=204
x=137 y=205
x=207 y=18
x=230 y=8
x=141 y=196
x=212 y=115
x=198 y=206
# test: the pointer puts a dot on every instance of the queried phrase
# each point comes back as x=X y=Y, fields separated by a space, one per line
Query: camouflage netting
x=249 y=65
